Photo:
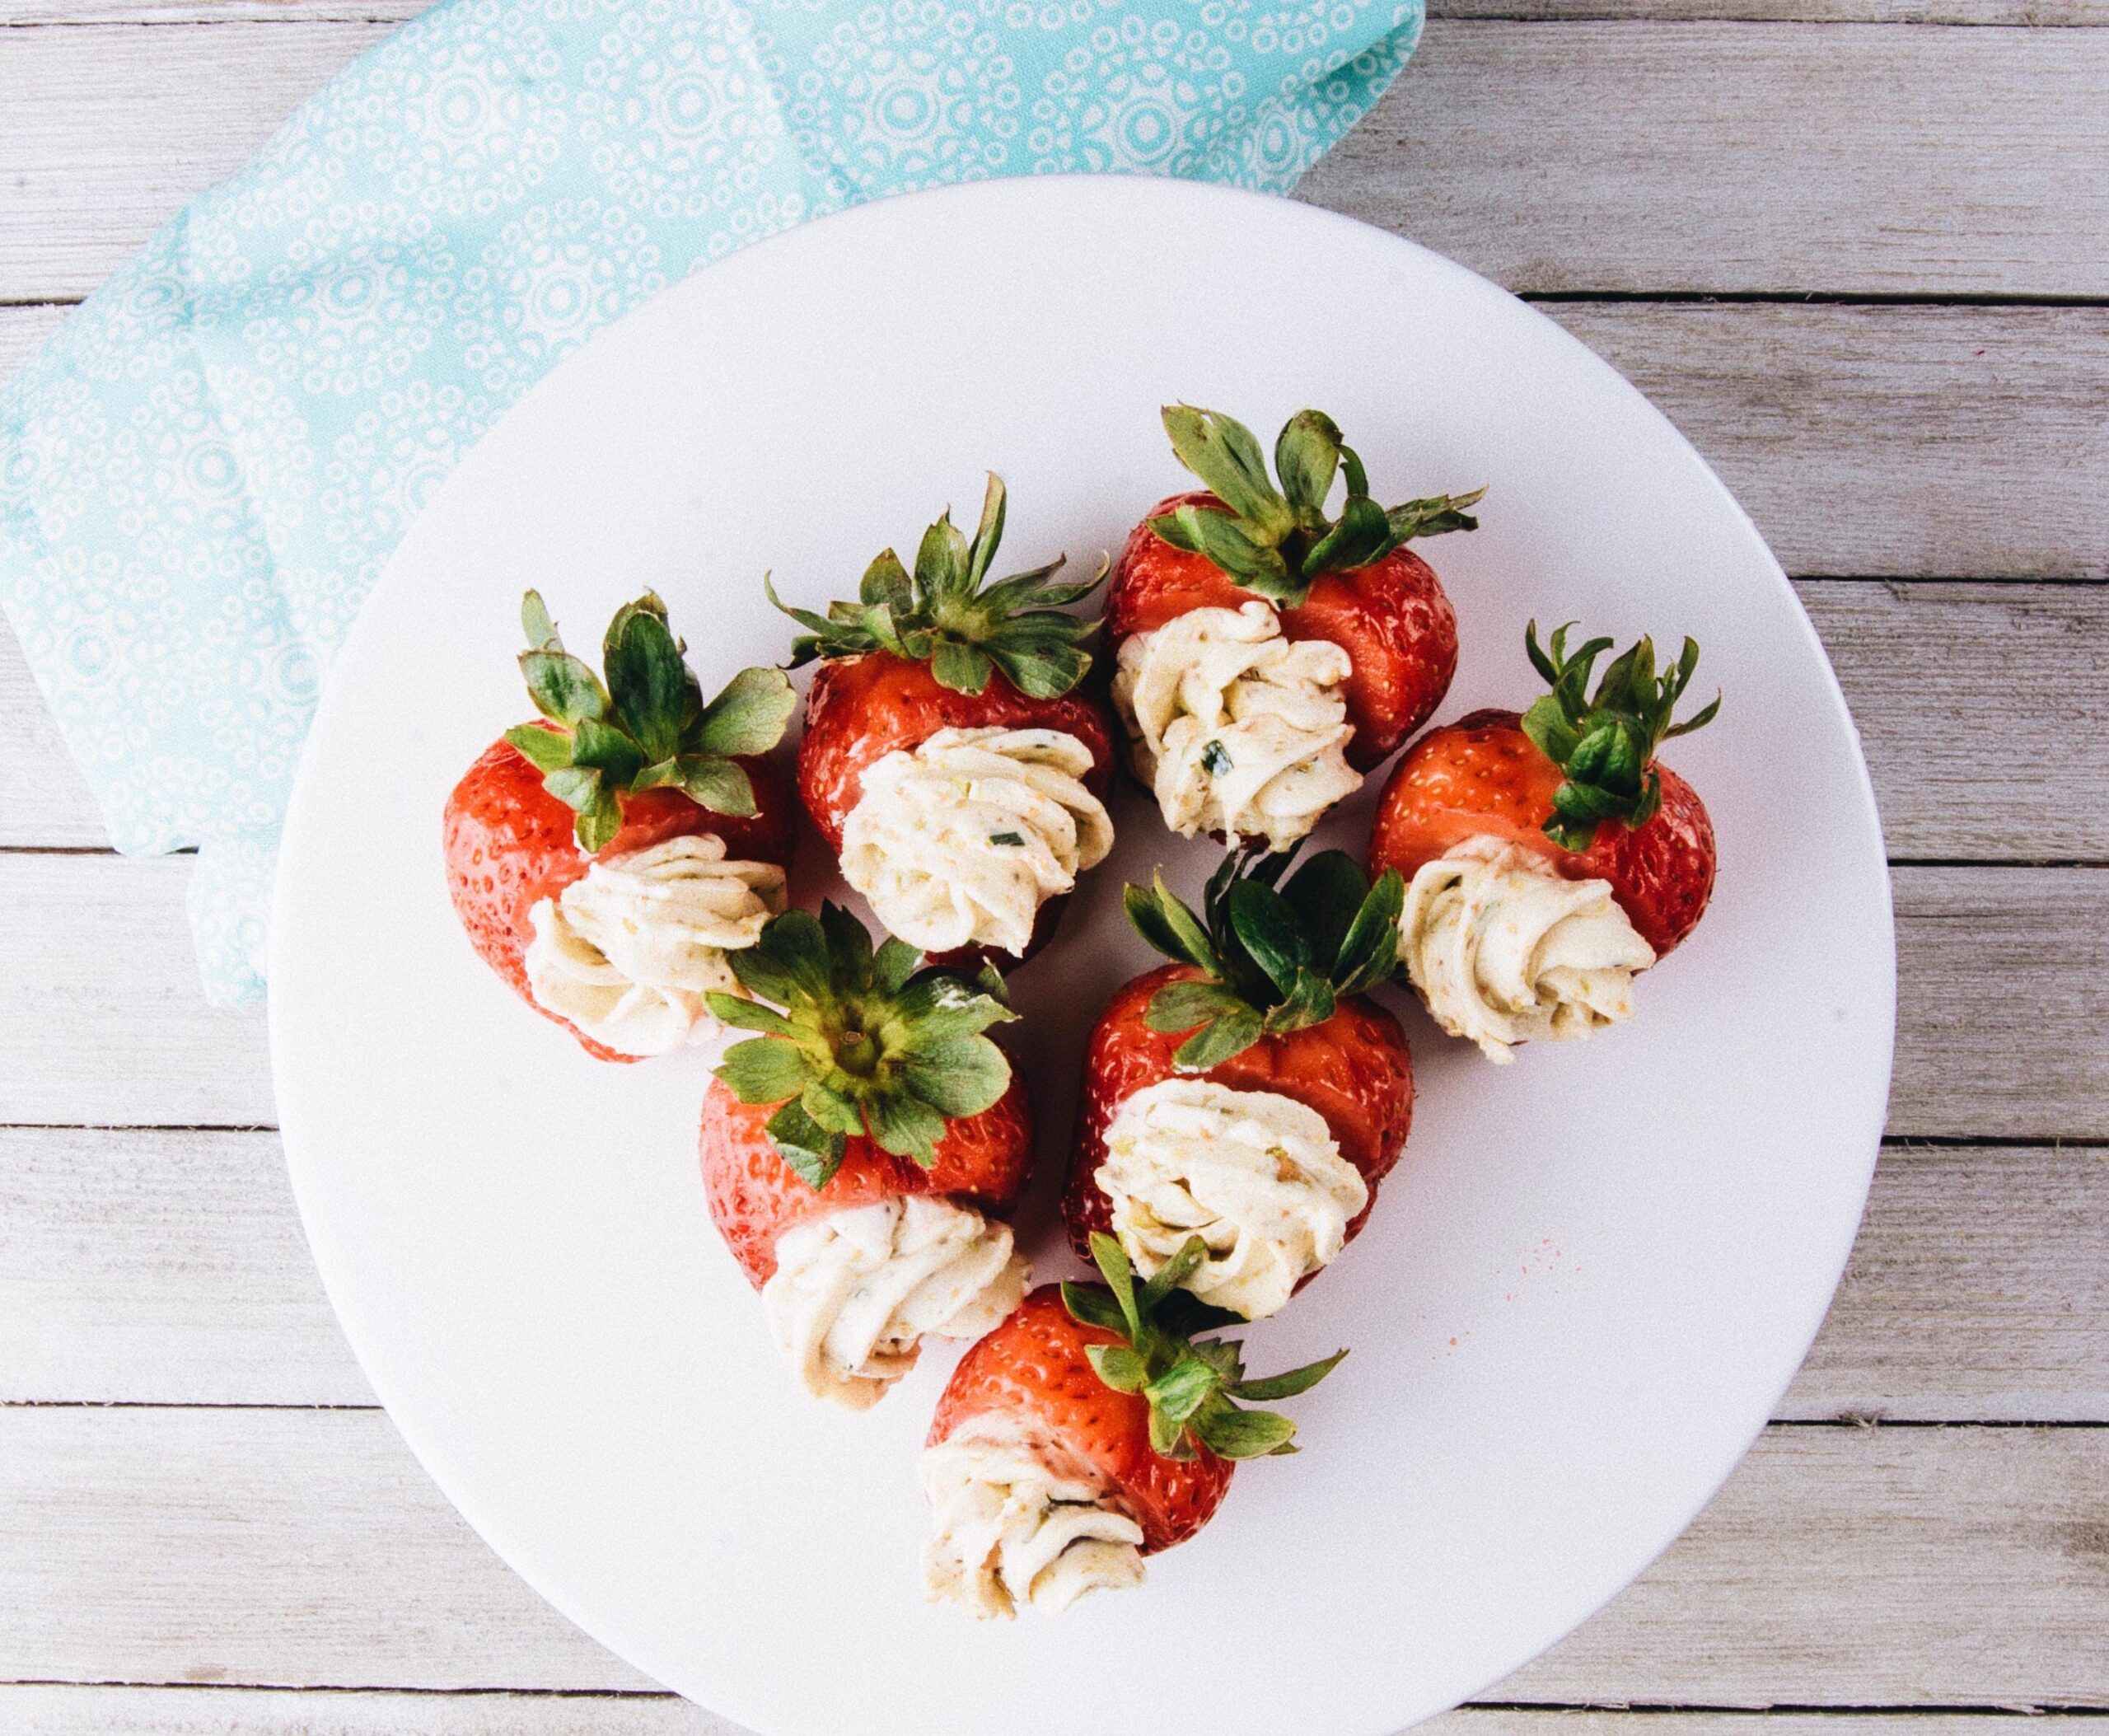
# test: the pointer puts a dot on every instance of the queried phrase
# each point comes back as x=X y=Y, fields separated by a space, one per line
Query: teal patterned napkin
x=203 y=472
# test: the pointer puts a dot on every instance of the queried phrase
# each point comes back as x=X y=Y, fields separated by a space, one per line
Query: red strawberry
x=1351 y=581
x=540 y=806
x=874 y=1084
x=1573 y=780
x=1275 y=981
x=1106 y=1391
x=948 y=650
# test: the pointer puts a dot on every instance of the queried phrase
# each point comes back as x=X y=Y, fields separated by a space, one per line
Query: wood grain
x=1690 y=156
x=1776 y=158
x=292 y=1547
x=2004 y=993
x=170 y=1268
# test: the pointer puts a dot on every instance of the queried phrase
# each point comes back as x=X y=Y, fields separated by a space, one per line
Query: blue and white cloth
x=203 y=473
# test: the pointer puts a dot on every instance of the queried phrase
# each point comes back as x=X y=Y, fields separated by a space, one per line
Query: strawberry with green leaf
x=869 y=1076
x=1345 y=577
x=1574 y=782
x=1098 y=1414
x=620 y=767
x=1250 y=1091
x=953 y=755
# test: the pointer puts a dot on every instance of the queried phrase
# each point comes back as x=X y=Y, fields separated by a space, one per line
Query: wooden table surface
x=1859 y=250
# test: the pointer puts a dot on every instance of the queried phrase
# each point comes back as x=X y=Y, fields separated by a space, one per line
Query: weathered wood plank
x=1691 y=155
x=44 y=803
x=170 y=1268
x=1922 y=664
x=103 y=1022
x=1885 y=442
x=1870 y=441
x=1639 y=156
x=53 y=1710
x=2004 y=991
x=1841 y=1566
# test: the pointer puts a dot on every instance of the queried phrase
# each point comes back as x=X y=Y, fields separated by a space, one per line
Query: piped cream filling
x=627 y=952
x=1012 y=1525
x=960 y=843
x=1503 y=949
x=1257 y=1176
x=1236 y=729
x=856 y=1291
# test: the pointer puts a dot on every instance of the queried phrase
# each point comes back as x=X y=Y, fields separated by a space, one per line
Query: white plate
x=1581 y=1291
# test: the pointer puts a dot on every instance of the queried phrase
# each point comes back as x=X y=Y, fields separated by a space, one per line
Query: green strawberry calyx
x=951 y=615
x=866 y=1044
x=1192 y=1384
x=646 y=727
x=1605 y=741
x=1278 y=955
x=1274 y=537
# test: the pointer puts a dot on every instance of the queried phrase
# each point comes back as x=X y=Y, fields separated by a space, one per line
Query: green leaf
x=765 y=1069
x=1118 y=1365
x=1232 y=1433
x=535 y=622
x=1276 y=1387
x=1175 y=1272
x=547 y=750
x=1111 y=1260
x=1166 y=923
x=1309 y=1000
x=832 y=1106
x=905 y=1126
x=893 y=965
x=1041 y=674
x=1094 y=1308
x=987 y=534
x=747 y=718
x=962 y=1076
x=1266 y=926
x=578 y=787
x=743 y=1014
x=788 y=964
x=849 y=948
x=599 y=820
x=962 y=668
x=1362 y=535
x=1181 y=1006
x=608 y=750
x=1167 y=1438
x=813 y=1153
x=1307 y=458
x=563 y=690
x=1437 y=516
x=942 y=561
x=718 y=784
x=886 y=584
x=1369 y=952
x=1222 y=452
x=1215 y=1043
x=1325 y=894
x=1221 y=539
x=1182 y=1388
x=647 y=679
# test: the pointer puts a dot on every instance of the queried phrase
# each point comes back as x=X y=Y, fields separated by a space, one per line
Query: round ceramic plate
x=1582 y=1289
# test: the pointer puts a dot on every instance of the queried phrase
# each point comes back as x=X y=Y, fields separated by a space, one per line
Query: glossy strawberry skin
x=510 y=843
x=1391 y=617
x=755 y=1195
x=1032 y=1370
x=861 y=708
x=1483 y=776
x=1354 y=1069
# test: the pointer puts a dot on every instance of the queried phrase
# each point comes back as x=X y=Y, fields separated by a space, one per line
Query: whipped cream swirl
x=1015 y=1524
x=959 y=843
x=855 y=1291
x=627 y=952
x=1257 y=1176
x=1503 y=948
x=1236 y=729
